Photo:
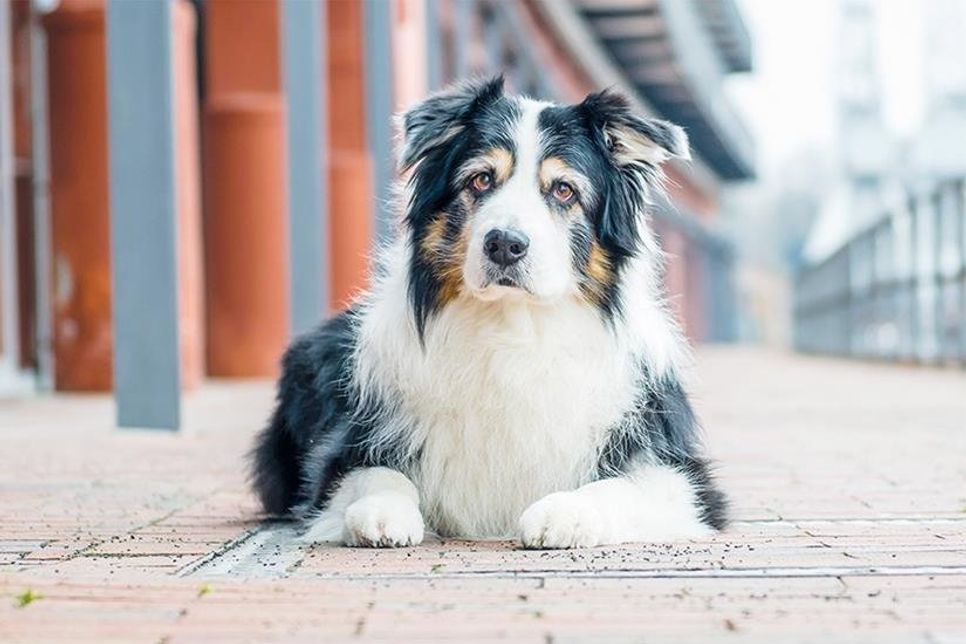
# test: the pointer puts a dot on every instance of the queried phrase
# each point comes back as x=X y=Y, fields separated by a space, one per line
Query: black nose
x=505 y=247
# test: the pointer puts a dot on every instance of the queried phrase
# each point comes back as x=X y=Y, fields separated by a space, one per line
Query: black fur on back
x=663 y=428
x=318 y=432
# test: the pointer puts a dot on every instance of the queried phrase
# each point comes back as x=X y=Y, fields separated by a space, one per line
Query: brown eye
x=563 y=192
x=482 y=181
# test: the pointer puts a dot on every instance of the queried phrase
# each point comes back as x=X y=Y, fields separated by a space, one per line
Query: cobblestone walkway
x=848 y=480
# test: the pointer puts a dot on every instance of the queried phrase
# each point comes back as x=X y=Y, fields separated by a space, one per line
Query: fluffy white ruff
x=508 y=402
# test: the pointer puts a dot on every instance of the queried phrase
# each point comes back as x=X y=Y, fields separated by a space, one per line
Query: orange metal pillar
x=246 y=243
x=350 y=165
x=79 y=209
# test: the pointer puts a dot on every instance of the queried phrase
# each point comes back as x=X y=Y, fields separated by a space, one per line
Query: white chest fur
x=506 y=403
x=514 y=406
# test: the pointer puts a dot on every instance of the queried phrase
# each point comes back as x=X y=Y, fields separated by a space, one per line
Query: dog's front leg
x=374 y=507
x=649 y=503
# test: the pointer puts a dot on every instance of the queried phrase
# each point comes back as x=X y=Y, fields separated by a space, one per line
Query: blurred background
x=185 y=185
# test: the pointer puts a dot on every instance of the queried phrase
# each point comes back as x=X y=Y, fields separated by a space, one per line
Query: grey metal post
x=961 y=216
x=434 y=47
x=925 y=278
x=947 y=271
x=526 y=72
x=493 y=41
x=304 y=72
x=379 y=102
x=40 y=149
x=9 y=325
x=143 y=214
x=464 y=11
x=935 y=202
x=915 y=328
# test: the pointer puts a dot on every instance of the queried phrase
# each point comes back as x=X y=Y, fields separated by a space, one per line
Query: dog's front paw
x=561 y=520
x=387 y=520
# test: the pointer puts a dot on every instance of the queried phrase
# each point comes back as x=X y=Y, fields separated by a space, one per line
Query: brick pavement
x=848 y=480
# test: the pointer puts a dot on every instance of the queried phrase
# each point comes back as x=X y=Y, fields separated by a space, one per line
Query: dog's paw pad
x=383 y=521
x=561 y=520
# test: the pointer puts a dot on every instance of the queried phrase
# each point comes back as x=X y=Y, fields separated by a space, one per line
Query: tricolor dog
x=513 y=372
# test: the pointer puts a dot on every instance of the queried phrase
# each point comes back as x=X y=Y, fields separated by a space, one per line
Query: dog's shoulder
x=328 y=345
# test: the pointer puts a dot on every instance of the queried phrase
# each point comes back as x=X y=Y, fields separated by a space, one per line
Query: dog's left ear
x=443 y=116
x=633 y=139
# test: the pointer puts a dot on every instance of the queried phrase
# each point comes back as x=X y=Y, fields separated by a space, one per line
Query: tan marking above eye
x=551 y=169
x=502 y=160
x=498 y=161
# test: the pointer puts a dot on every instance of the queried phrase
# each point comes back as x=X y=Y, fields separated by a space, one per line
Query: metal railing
x=896 y=290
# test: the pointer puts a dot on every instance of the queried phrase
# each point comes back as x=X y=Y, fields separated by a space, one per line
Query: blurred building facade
x=282 y=161
x=937 y=152
x=885 y=275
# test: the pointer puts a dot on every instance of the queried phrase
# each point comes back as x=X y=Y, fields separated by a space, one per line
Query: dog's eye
x=482 y=182
x=563 y=192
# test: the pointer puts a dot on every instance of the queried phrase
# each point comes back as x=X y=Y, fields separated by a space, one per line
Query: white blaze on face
x=519 y=204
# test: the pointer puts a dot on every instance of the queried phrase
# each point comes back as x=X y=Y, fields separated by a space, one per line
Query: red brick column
x=246 y=237
x=80 y=231
x=350 y=165
x=80 y=237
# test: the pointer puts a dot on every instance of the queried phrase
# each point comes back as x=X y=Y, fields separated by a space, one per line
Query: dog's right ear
x=633 y=139
x=442 y=116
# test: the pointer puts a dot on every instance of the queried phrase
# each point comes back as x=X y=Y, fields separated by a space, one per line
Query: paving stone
x=848 y=482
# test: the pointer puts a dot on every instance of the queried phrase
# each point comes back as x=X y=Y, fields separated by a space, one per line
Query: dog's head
x=514 y=198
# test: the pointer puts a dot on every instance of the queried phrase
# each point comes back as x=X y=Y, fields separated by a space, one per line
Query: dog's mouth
x=506 y=281
x=498 y=283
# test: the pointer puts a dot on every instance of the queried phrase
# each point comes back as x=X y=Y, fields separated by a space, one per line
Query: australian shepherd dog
x=513 y=372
